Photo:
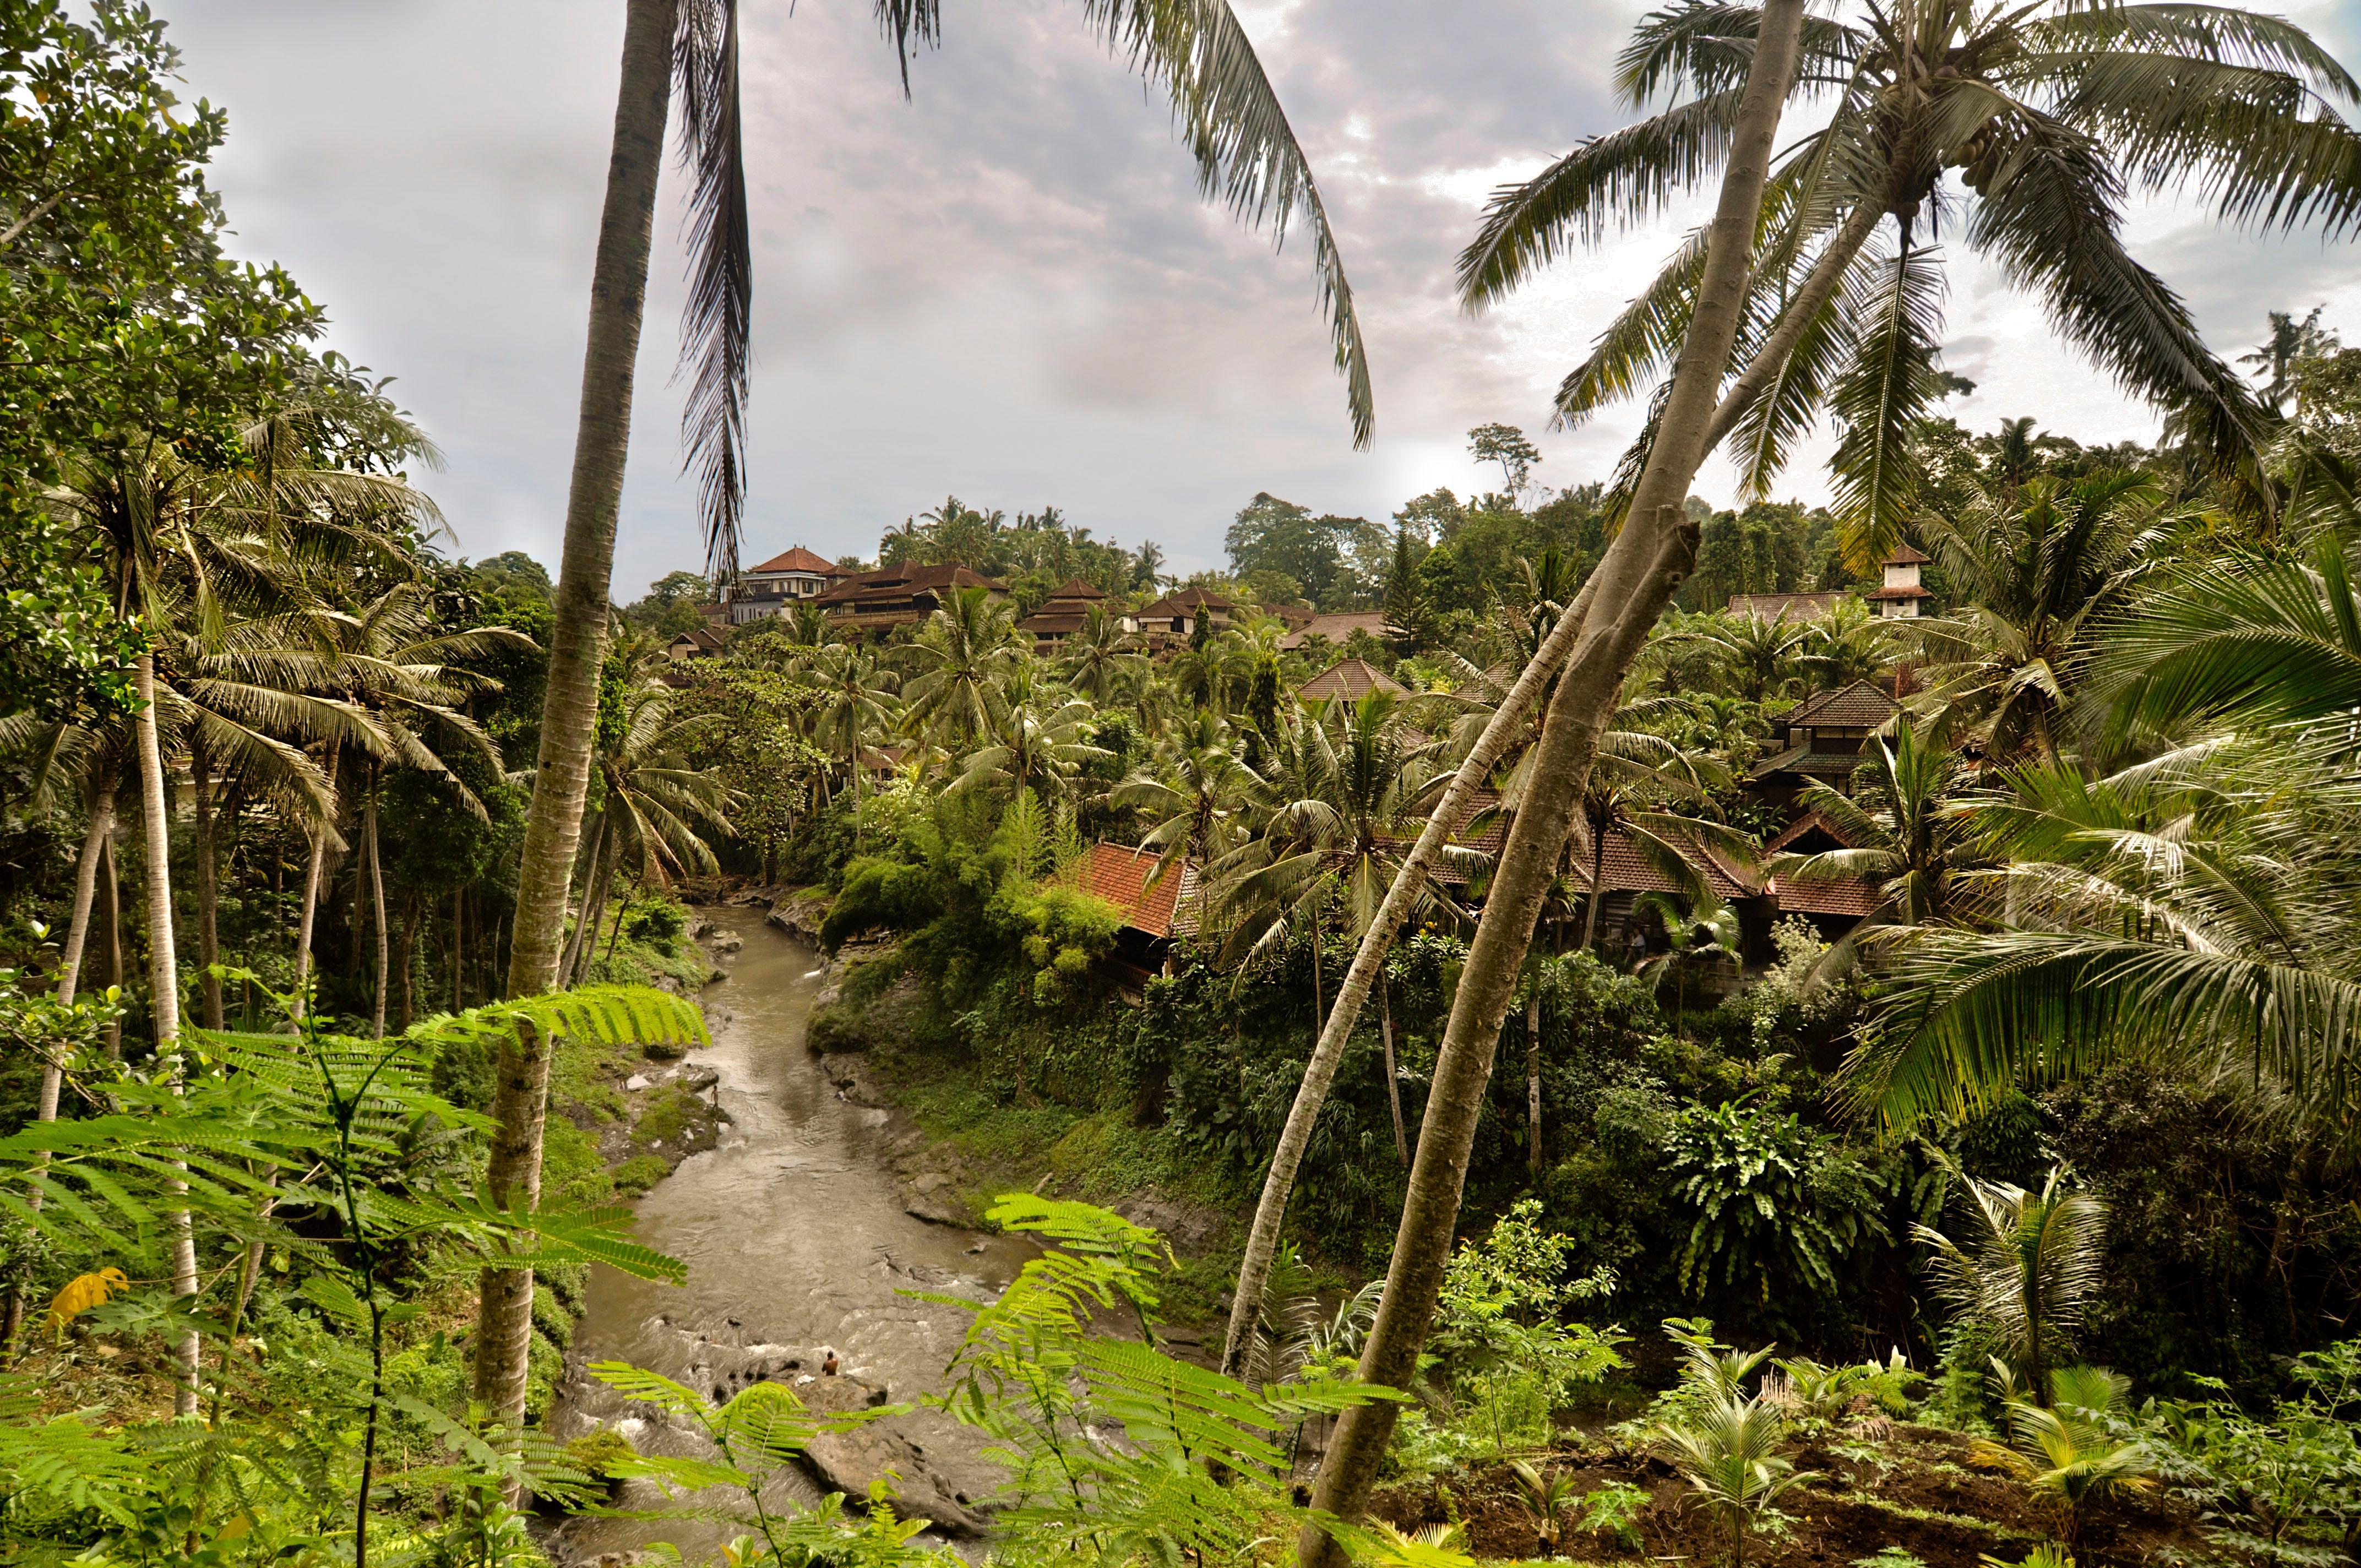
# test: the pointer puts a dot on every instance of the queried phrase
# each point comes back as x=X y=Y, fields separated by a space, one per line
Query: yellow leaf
x=83 y=1292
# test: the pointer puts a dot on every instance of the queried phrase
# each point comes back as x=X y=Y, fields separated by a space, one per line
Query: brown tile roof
x=1076 y=588
x=1188 y=601
x=1804 y=760
x=1351 y=679
x=701 y=639
x=802 y=560
x=1855 y=896
x=1804 y=827
x=1051 y=623
x=1120 y=875
x=1904 y=556
x=1860 y=705
x=903 y=582
x=1795 y=607
x=1336 y=626
x=1624 y=871
x=1906 y=591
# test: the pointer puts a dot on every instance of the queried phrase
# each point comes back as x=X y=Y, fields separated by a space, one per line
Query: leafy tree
x=1507 y=446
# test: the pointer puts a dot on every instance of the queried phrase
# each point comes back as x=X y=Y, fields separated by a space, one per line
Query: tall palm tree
x=391 y=659
x=654 y=808
x=1038 y=740
x=1851 y=642
x=1582 y=663
x=1101 y=658
x=961 y=662
x=856 y=702
x=1759 y=657
x=1910 y=841
x=1195 y=796
x=2024 y=128
x=2039 y=571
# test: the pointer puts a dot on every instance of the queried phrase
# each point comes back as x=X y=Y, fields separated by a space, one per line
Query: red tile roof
x=1120 y=875
x=1351 y=679
x=802 y=560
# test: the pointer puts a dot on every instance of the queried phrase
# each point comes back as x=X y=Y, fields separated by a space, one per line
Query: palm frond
x=716 y=318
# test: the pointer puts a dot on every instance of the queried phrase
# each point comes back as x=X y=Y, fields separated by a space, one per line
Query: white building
x=766 y=591
x=1903 y=597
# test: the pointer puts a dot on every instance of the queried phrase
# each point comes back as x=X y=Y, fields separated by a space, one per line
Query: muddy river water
x=796 y=1244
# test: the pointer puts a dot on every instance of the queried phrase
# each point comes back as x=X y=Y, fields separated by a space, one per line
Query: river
x=796 y=1243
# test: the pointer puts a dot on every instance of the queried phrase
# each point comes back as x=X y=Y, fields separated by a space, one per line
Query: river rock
x=636 y=1082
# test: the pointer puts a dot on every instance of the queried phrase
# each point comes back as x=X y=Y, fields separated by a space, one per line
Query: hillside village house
x=1901 y=597
x=763 y=591
x=1063 y=614
x=899 y=595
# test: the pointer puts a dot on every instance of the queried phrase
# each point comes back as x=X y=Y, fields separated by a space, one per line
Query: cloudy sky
x=1006 y=287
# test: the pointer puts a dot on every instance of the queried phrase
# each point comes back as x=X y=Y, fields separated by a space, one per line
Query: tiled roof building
x=898 y=595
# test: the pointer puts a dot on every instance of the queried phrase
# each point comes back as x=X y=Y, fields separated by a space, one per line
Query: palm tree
x=392 y=660
x=856 y=701
x=1101 y=658
x=1038 y=740
x=1653 y=794
x=962 y=662
x=2049 y=115
x=1333 y=812
x=1583 y=662
x=1195 y=796
x=1910 y=840
x=2029 y=1269
x=185 y=547
x=654 y=808
x=2039 y=572
x=2248 y=644
x=1851 y=642
x=1760 y=658
x=2276 y=357
x=2193 y=909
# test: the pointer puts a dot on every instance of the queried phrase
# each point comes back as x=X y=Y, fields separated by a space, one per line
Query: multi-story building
x=1902 y=596
x=899 y=595
x=766 y=591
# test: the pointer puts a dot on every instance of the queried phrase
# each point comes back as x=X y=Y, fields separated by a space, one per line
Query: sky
x=1006 y=287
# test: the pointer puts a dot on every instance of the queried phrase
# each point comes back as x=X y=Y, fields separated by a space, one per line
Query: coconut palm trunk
x=1649 y=560
x=377 y=905
x=111 y=881
x=1598 y=893
x=1533 y=1082
x=619 y=283
x=1393 y=1079
x=164 y=998
x=200 y=792
x=93 y=849
x=314 y=867
x=1369 y=960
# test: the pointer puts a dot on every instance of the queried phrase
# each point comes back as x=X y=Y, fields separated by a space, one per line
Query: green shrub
x=639 y=1173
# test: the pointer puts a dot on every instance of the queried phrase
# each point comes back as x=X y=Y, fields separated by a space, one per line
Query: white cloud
x=1008 y=286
